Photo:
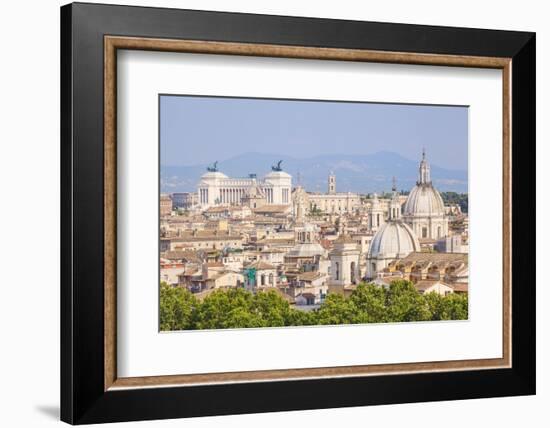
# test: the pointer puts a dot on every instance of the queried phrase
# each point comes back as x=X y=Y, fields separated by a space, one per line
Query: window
x=337 y=271
x=424 y=232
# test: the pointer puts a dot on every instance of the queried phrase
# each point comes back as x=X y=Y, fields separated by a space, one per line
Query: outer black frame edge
x=82 y=397
x=66 y=306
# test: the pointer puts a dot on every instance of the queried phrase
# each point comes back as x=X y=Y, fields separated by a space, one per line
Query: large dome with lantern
x=424 y=199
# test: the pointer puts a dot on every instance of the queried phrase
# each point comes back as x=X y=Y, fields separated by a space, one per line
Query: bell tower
x=331 y=183
x=376 y=214
x=394 y=209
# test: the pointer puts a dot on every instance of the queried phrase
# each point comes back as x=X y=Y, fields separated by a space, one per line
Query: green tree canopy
x=177 y=308
x=368 y=303
x=405 y=304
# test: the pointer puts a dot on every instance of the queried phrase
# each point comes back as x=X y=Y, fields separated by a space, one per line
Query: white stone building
x=216 y=188
x=331 y=202
x=336 y=203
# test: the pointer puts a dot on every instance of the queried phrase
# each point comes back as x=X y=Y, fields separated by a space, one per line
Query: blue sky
x=199 y=130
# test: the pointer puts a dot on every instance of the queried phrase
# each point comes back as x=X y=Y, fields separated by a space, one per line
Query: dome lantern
x=424 y=171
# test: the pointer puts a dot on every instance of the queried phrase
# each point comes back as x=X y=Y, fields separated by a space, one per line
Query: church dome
x=307 y=249
x=424 y=199
x=393 y=240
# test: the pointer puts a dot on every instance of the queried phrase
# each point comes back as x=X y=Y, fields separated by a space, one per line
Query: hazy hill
x=354 y=173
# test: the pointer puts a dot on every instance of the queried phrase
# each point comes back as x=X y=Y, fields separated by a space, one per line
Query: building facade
x=184 y=200
x=336 y=203
x=165 y=205
x=216 y=188
x=344 y=262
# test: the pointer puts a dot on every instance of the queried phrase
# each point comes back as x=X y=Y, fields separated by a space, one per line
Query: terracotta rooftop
x=424 y=284
x=260 y=265
x=214 y=264
x=389 y=279
x=180 y=255
x=344 y=239
x=203 y=235
x=309 y=276
x=419 y=257
x=280 y=292
x=460 y=287
x=272 y=209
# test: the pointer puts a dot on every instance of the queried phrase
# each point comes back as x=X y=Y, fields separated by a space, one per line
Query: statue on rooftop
x=277 y=167
x=213 y=167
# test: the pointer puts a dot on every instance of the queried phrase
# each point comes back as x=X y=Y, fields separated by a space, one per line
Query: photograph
x=292 y=212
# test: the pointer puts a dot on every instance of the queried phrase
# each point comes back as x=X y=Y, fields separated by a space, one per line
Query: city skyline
x=363 y=174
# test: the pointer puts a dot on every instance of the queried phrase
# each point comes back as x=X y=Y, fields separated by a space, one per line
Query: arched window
x=439 y=231
x=337 y=271
x=262 y=280
x=270 y=279
x=352 y=268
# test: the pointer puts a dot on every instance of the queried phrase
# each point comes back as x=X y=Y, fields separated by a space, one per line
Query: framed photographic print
x=265 y=213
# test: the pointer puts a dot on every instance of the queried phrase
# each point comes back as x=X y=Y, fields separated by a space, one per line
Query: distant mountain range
x=354 y=173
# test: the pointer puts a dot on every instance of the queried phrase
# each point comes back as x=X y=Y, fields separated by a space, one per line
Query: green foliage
x=456 y=198
x=450 y=307
x=177 y=308
x=405 y=304
x=315 y=211
x=227 y=309
x=368 y=303
x=272 y=309
x=335 y=310
x=297 y=318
